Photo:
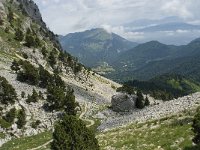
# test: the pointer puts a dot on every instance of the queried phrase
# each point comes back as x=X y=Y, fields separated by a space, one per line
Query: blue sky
x=67 y=16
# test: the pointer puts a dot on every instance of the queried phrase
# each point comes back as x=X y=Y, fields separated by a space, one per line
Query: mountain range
x=129 y=60
x=93 y=47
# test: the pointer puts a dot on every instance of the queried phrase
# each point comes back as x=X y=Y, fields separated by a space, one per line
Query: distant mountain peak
x=95 y=45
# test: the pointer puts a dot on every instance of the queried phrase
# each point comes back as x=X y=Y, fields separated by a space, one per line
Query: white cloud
x=177 y=7
x=65 y=16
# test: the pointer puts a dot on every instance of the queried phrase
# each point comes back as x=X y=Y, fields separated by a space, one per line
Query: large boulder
x=123 y=102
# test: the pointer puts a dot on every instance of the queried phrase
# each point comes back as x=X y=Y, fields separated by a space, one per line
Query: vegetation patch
x=167 y=134
x=28 y=142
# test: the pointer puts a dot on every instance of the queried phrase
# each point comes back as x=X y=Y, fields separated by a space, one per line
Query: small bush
x=19 y=35
x=21 y=119
x=23 y=94
x=35 y=124
x=10 y=116
x=28 y=73
x=33 y=98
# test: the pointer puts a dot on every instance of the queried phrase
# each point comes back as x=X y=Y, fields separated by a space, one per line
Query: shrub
x=32 y=40
x=10 y=116
x=35 y=124
x=140 y=102
x=21 y=119
x=55 y=97
x=7 y=30
x=45 y=77
x=7 y=92
x=19 y=35
x=15 y=66
x=29 y=41
x=25 y=55
x=77 y=68
x=44 y=52
x=147 y=103
x=127 y=89
x=28 y=73
x=10 y=15
x=33 y=98
x=59 y=98
x=53 y=57
x=72 y=133
x=23 y=94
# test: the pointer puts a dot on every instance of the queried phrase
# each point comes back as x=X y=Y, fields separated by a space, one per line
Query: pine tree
x=72 y=134
x=19 y=35
x=147 y=103
x=21 y=119
x=140 y=100
x=70 y=103
x=7 y=93
x=33 y=98
x=10 y=116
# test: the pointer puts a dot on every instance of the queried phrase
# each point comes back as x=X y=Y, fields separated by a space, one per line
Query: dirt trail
x=87 y=120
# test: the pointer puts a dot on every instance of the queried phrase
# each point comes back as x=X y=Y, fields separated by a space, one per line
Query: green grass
x=167 y=133
x=27 y=142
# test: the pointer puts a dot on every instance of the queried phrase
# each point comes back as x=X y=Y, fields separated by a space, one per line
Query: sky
x=119 y=16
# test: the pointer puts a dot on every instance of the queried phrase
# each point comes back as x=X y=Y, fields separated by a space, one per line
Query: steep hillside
x=31 y=64
x=95 y=46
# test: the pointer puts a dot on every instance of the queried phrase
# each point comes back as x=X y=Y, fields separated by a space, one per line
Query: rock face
x=123 y=102
x=32 y=10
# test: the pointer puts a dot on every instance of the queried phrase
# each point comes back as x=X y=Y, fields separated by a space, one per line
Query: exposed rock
x=123 y=102
x=152 y=112
x=32 y=10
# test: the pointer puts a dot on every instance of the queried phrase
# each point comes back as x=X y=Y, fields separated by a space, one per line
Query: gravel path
x=83 y=114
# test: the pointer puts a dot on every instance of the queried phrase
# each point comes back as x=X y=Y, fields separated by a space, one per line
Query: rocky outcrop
x=32 y=10
x=123 y=102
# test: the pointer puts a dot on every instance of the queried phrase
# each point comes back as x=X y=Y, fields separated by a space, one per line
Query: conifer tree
x=140 y=103
x=147 y=103
x=72 y=134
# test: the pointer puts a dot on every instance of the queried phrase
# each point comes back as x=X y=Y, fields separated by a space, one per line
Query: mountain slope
x=31 y=59
x=95 y=46
x=186 y=64
x=143 y=54
x=152 y=59
x=166 y=86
